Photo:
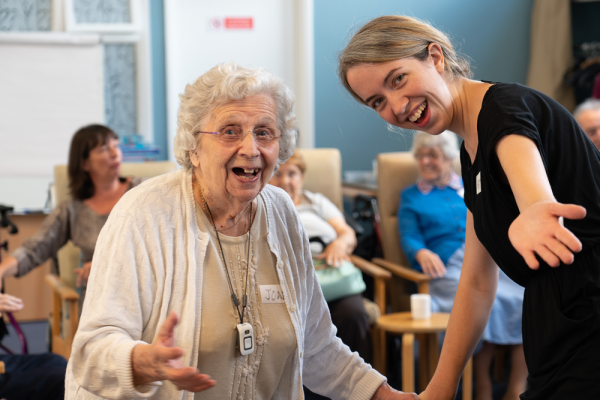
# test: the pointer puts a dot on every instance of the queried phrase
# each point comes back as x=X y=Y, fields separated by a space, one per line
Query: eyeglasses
x=233 y=135
x=431 y=155
x=290 y=175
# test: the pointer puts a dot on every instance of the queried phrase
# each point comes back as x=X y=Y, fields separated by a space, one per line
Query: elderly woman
x=431 y=219
x=332 y=241
x=526 y=165
x=212 y=249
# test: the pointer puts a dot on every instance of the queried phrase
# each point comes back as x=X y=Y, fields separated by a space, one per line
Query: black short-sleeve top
x=571 y=161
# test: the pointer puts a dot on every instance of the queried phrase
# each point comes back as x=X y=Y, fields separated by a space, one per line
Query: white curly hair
x=447 y=141
x=225 y=83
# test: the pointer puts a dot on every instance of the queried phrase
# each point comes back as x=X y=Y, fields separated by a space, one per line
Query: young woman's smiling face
x=408 y=93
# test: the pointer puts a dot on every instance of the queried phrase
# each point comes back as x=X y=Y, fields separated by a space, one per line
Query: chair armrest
x=401 y=271
x=60 y=288
x=369 y=268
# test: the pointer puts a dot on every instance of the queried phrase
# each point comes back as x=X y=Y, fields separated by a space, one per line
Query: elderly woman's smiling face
x=434 y=167
x=237 y=172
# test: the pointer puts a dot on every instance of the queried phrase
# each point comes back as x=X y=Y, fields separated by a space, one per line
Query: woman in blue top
x=432 y=220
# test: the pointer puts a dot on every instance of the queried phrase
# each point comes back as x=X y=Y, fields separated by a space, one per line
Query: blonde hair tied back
x=393 y=37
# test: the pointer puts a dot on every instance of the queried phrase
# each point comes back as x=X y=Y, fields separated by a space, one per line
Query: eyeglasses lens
x=235 y=134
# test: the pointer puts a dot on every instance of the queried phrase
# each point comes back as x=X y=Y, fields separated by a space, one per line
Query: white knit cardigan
x=148 y=262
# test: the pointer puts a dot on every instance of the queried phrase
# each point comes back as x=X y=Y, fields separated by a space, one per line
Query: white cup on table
x=420 y=306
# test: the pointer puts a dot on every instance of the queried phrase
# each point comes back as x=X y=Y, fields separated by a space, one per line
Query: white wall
x=277 y=42
x=52 y=84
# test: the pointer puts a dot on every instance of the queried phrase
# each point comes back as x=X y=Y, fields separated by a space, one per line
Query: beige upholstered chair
x=324 y=175
x=395 y=172
x=65 y=308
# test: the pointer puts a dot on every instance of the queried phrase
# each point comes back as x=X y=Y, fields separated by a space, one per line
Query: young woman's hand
x=161 y=361
x=335 y=253
x=385 y=392
x=539 y=230
x=431 y=263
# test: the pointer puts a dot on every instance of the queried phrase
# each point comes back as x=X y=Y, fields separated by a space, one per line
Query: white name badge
x=478 y=183
x=271 y=294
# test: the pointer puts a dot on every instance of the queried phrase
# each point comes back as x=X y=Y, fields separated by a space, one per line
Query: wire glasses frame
x=232 y=135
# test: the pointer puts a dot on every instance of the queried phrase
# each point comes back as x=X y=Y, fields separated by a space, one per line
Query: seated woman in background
x=332 y=241
x=432 y=219
x=95 y=185
x=29 y=376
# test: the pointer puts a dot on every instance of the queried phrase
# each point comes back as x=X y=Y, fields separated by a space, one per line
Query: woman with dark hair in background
x=526 y=165
x=95 y=185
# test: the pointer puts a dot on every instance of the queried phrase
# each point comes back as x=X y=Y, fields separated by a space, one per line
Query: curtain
x=551 y=52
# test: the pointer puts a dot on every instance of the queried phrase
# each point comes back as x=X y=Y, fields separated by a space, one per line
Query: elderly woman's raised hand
x=431 y=263
x=161 y=360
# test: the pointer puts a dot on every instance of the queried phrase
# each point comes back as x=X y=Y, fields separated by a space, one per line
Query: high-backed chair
x=65 y=300
x=395 y=172
x=324 y=175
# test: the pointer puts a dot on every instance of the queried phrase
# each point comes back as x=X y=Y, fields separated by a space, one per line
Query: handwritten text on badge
x=271 y=294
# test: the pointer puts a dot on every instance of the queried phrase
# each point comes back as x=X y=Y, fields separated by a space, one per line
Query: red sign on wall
x=239 y=22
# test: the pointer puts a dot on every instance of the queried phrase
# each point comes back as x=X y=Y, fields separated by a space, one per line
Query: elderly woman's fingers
x=165 y=333
x=190 y=379
x=165 y=354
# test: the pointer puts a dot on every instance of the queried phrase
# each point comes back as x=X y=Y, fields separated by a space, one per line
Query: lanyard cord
x=234 y=297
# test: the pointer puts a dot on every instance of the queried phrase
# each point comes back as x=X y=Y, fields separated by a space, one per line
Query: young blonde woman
x=530 y=174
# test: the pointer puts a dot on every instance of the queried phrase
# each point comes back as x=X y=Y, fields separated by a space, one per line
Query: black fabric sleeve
x=509 y=111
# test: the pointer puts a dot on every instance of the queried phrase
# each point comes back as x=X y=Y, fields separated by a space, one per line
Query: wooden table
x=427 y=330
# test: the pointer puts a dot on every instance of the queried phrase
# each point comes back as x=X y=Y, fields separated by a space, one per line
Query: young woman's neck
x=467 y=99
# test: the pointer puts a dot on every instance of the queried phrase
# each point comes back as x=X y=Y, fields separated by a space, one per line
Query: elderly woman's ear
x=194 y=157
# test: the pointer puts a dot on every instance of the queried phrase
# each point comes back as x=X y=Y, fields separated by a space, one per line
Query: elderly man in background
x=587 y=115
x=203 y=278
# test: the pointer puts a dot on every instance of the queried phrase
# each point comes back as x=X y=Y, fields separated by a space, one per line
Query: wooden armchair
x=65 y=300
x=396 y=171
x=324 y=175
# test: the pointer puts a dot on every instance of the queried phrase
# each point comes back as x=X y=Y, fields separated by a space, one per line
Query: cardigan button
x=301 y=354
x=293 y=308
x=280 y=264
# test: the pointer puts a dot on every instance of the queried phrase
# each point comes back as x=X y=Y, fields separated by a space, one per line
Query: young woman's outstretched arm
x=470 y=312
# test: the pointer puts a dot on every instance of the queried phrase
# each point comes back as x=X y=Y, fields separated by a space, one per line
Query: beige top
x=268 y=371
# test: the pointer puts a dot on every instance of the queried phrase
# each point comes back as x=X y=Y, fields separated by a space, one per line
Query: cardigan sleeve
x=52 y=235
x=115 y=312
x=329 y=367
x=411 y=235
